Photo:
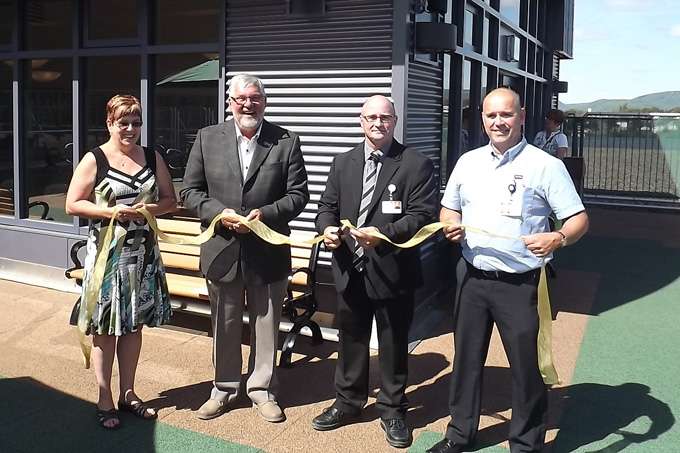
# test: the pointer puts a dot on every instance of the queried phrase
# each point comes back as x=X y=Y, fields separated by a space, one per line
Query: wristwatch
x=564 y=238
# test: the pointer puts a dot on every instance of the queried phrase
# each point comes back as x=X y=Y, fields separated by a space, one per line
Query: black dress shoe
x=332 y=418
x=396 y=432
x=445 y=446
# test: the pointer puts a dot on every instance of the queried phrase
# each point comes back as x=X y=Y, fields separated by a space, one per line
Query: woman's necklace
x=125 y=160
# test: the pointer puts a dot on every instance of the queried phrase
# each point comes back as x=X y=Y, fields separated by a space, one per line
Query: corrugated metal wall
x=424 y=106
x=317 y=71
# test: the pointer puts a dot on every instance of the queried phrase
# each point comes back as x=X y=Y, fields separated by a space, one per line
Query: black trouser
x=393 y=319
x=510 y=301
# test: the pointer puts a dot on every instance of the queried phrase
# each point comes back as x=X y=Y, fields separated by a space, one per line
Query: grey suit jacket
x=276 y=184
x=389 y=271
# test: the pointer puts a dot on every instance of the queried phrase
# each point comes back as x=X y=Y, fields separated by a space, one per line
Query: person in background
x=250 y=167
x=508 y=188
x=380 y=186
x=552 y=140
x=465 y=130
x=121 y=174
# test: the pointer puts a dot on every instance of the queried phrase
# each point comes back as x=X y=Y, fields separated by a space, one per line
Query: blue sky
x=623 y=49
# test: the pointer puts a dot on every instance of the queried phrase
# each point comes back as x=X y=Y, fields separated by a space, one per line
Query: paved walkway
x=615 y=330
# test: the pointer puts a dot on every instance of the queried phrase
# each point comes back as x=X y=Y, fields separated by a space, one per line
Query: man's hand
x=543 y=244
x=454 y=232
x=233 y=224
x=364 y=237
x=332 y=237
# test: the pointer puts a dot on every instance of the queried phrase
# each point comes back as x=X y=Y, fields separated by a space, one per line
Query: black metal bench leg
x=317 y=338
x=288 y=345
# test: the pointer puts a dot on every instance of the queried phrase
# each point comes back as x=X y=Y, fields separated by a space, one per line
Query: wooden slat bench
x=188 y=291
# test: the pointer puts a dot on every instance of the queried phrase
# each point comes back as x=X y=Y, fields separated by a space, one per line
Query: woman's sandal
x=105 y=416
x=139 y=409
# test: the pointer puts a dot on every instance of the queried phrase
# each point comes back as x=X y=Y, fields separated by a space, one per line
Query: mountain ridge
x=661 y=101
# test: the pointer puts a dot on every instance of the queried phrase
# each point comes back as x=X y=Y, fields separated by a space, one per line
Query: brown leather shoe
x=211 y=409
x=270 y=411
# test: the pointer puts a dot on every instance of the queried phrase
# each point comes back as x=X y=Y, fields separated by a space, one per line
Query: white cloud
x=581 y=34
x=675 y=31
x=630 y=5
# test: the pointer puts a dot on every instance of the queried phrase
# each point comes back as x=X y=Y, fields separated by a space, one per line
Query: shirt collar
x=368 y=150
x=240 y=136
x=511 y=153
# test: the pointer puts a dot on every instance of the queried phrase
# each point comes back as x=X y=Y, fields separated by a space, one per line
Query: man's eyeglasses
x=125 y=124
x=241 y=100
x=381 y=118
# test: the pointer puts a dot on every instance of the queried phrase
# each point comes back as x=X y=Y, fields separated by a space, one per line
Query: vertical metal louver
x=425 y=108
x=317 y=71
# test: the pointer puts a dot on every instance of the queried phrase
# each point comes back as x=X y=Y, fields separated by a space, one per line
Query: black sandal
x=105 y=416
x=139 y=409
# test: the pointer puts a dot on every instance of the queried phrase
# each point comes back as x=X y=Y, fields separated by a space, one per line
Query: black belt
x=502 y=276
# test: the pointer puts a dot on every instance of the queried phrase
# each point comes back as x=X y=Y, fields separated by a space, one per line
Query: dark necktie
x=370 y=177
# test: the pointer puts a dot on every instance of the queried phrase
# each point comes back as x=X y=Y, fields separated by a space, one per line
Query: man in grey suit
x=250 y=167
x=381 y=185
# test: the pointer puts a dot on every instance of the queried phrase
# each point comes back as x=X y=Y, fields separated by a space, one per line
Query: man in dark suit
x=253 y=168
x=380 y=185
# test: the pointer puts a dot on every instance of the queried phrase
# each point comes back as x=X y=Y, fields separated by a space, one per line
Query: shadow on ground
x=37 y=418
x=592 y=412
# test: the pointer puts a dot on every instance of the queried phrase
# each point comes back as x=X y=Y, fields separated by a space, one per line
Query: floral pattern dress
x=134 y=290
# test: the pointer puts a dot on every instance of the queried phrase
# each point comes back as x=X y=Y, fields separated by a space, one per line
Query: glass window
x=47 y=145
x=185 y=101
x=469 y=27
x=6 y=143
x=106 y=77
x=510 y=10
x=182 y=22
x=113 y=19
x=48 y=24
x=6 y=22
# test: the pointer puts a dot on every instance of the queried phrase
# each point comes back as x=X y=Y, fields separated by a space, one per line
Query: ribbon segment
x=544 y=342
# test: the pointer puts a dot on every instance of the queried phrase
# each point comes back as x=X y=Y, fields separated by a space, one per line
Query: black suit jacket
x=389 y=270
x=276 y=184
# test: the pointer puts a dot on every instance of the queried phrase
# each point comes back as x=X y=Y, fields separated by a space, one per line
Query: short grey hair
x=245 y=80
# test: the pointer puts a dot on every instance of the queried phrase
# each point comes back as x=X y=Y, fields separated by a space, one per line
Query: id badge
x=511 y=204
x=391 y=207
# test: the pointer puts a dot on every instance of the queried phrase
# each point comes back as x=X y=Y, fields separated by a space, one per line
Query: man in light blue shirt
x=507 y=188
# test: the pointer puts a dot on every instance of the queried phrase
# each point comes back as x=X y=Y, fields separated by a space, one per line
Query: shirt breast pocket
x=528 y=198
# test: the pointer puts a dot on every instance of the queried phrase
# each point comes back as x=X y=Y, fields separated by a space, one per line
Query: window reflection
x=47 y=146
x=113 y=19
x=106 y=77
x=6 y=144
x=185 y=102
x=510 y=10
x=179 y=21
x=49 y=24
x=6 y=22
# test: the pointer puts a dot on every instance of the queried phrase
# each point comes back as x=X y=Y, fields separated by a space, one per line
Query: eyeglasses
x=381 y=118
x=124 y=124
x=241 y=100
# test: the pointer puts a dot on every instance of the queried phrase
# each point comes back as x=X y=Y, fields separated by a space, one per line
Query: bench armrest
x=74 y=257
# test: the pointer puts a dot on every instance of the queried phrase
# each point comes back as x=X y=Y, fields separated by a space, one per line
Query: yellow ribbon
x=544 y=342
x=89 y=300
x=545 y=357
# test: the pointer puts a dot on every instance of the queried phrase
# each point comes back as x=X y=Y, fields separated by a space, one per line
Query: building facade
x=320 y=59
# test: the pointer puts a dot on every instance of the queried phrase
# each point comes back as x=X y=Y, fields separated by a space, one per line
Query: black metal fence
x=628 y=159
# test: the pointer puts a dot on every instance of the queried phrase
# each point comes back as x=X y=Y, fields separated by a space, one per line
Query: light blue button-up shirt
x=482 y=180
